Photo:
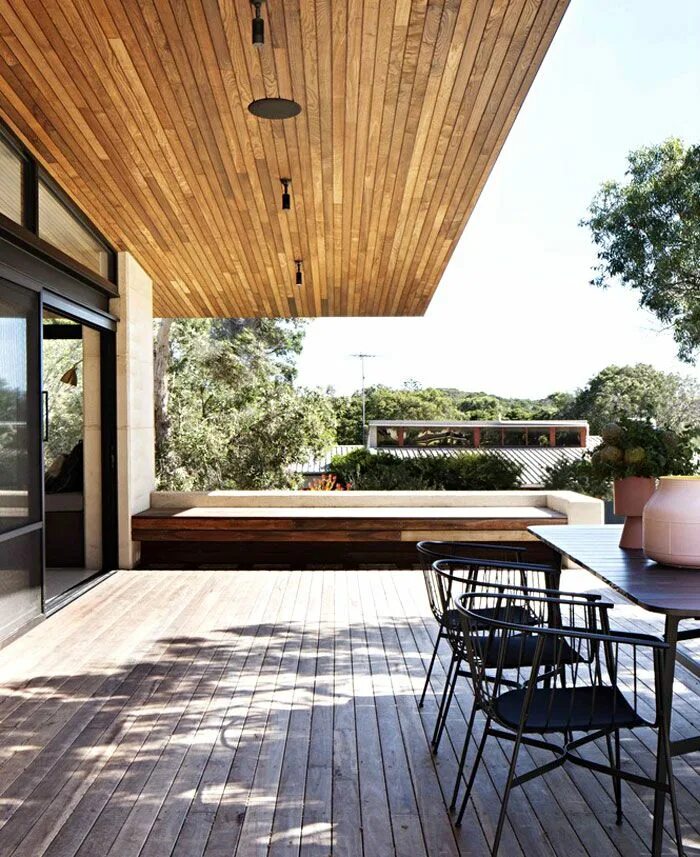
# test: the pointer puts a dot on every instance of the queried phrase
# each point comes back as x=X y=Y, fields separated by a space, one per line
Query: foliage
x=638 y=448
x=638 y=391
x=235 y=419
x=382 y=471
x=483 y=406
x=13 y=438
x=65 y=401
x=384 y=403
x=647 y=231
x=578 y=475
x=414 y=403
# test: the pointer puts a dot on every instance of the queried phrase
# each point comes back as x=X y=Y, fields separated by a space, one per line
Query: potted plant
x=634 y=453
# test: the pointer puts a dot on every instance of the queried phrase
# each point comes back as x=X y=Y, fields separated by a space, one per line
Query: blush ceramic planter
x=631 y=495
x=671 y=529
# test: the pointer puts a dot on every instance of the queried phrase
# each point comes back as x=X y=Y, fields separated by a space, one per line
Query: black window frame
x=27 y=233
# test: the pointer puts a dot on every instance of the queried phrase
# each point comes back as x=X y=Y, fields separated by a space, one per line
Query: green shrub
x=578 y=475
x=381 y=471
x=638 y=448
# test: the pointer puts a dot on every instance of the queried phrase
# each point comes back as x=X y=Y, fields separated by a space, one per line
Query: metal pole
x=364 y=409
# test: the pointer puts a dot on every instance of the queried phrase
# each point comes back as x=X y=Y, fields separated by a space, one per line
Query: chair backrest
x=573 y=671
x=430 y=551
x=453 y=577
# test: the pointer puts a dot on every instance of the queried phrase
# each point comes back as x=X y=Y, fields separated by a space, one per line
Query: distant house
x=534 y=444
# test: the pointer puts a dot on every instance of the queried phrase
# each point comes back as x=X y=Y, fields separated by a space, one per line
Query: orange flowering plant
x=327 y=482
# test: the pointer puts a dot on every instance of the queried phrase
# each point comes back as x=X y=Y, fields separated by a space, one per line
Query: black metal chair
x=452 y=578
x=429 y=552
x=573 y=675
x=527 y=579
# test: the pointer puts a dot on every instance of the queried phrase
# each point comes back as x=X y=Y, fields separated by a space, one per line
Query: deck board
x=210 y=713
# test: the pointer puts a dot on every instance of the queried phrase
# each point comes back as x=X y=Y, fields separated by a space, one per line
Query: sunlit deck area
x=226 y=713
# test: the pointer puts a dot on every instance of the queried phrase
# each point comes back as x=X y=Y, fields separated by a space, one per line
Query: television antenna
x=362 y=357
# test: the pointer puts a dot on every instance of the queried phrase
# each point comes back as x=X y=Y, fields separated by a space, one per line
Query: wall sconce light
x=299 y=278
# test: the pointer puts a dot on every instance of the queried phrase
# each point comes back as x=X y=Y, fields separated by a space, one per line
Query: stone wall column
x=92 y=449
x=136 y=465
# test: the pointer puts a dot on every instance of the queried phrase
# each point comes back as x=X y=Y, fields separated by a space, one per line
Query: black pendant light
x=274 y=108
x=258 y=24
x=299 y=278
x=286 y=196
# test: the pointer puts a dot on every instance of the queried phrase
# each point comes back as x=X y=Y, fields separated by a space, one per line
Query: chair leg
x=463 y=757
x=672 y=793
x=617 y=780
x=443 y=698
x=450 y=688
x=475 y=768
x=430 y=667
x=506 y=794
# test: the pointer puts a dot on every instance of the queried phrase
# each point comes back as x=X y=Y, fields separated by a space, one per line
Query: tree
x=384 y=403
x=161 y=364
x=234 y=418
x=639 y=391
x=483 y=406
x=647 y=231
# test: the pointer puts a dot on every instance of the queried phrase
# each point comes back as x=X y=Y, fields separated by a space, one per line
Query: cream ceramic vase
x=671 y=522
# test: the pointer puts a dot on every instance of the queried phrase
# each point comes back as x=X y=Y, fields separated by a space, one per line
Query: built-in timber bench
x=355 y=528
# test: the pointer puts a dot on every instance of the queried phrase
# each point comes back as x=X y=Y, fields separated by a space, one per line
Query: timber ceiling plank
x=471 y=184
x=139 y=110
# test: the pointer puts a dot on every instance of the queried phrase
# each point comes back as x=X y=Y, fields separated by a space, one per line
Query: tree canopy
x=234 y=417
x=647 y=231
x=637 y=392
x=385 y=403
x=431 y=403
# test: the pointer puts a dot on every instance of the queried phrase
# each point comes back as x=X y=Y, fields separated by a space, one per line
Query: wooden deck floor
x=228 y=713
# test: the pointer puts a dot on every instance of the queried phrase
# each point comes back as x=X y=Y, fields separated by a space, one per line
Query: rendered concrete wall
x=135 y=424
x=578 y=508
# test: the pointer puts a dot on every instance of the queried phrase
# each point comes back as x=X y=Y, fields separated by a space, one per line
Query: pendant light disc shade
x=274 y=108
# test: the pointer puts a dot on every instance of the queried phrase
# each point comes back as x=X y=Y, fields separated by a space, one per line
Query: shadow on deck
x=219 y=713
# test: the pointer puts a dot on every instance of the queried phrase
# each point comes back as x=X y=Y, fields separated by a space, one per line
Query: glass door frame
x=34 y=526
x=106 y=326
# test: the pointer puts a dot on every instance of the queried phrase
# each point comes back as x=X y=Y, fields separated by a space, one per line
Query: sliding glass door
x=72 y=442
x=20 y=459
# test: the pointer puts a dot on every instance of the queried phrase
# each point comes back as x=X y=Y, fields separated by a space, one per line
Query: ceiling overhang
x=139 y=111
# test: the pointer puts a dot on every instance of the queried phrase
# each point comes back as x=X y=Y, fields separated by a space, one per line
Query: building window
x=61 y=227
x=568 y=437
x=514 y=437
x=387 y=437
x=490 y=437
x=538 y=437
x=10 y=182
x=440 y=437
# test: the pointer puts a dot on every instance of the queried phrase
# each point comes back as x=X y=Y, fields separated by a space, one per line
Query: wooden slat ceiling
x=138 y=108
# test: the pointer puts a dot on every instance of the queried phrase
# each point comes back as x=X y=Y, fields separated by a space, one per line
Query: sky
x=515 y=313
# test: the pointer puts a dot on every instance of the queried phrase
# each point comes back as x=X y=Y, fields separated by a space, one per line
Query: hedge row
x=470 y=471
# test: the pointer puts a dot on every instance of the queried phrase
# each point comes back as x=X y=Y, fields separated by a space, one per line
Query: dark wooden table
x=672 y=592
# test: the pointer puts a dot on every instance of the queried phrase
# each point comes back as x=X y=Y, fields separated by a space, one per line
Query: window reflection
x=18 y=500
x=479 y=435
x=60 y=227
x=10 y=182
